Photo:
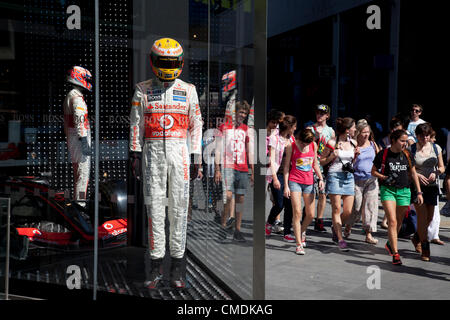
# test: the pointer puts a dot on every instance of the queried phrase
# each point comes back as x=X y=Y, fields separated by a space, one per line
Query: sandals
x=438 y=241
x=347 y=231
x=371 y=240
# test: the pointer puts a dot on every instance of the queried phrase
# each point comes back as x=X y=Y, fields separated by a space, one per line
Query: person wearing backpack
x=430 y=165
x=394 y=168
x=396 y=123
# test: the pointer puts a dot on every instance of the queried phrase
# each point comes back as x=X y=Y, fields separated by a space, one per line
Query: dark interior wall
x=294 y=84
x=423 y=67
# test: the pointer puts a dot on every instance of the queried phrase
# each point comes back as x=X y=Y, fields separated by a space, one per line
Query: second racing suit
x=78 y=136
x=164 y=115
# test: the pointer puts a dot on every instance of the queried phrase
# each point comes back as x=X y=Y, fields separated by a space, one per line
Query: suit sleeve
x=195 y=122
x=251 y=116
x=137 y=122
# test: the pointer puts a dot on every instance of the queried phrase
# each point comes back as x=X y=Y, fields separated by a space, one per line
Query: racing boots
x=176 y=273
x=155 y=274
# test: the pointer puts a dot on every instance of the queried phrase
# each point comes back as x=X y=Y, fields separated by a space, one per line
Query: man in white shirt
x=415 y=120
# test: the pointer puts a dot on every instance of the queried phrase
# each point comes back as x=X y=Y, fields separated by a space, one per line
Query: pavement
x=365 y=272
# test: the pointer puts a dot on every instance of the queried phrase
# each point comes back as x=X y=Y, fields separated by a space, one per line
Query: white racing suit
x=76 y=126
x=163 y=117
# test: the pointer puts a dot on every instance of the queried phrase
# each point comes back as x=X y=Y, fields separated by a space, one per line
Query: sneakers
x=318 y=226
x=299 y=250
x=278 y=227
x=155 y=274
x=389 y=248
x=237 y=236
x=289 y=238
x=396 y=259
x=304 y=239
x=231 y=222
x=268 y=229
x=343 y=245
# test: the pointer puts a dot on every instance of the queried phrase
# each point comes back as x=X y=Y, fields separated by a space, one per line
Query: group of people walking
x=354 y=171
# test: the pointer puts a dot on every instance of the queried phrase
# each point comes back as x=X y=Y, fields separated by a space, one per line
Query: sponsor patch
x=153 y=97
x=154 y=94
x=179 y=98
x=179 y=93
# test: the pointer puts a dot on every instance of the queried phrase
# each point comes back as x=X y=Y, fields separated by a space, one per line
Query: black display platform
x=121 y=273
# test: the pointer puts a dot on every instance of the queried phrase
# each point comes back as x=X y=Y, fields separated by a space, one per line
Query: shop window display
x=48 y=166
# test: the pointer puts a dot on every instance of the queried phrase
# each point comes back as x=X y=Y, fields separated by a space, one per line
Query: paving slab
x=364 y=272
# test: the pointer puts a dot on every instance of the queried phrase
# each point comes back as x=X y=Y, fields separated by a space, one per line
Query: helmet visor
x=167 y=63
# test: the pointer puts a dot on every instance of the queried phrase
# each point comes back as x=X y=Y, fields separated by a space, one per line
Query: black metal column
x=259 y=241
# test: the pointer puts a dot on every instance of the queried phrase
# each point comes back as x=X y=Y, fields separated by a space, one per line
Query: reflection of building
x=10 y=119
x=330 y=56
x=372 y=71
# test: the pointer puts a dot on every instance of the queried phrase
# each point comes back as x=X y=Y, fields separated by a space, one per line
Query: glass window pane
x=159 y=196
x=46 y=123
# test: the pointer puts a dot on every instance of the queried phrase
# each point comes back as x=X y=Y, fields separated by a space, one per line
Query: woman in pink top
x=301 y=156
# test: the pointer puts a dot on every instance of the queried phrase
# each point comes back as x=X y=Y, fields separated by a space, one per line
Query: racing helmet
x=167 y=59
x=80 y=77
x=229 y=81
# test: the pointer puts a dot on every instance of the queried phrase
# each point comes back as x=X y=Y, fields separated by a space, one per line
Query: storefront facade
x=288 y=55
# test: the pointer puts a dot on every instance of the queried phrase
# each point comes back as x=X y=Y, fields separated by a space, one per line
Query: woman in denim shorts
x=301 y=155
x=339 y=154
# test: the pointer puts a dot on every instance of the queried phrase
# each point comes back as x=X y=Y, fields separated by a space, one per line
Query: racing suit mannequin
x=78 y=137
x=164 y=117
